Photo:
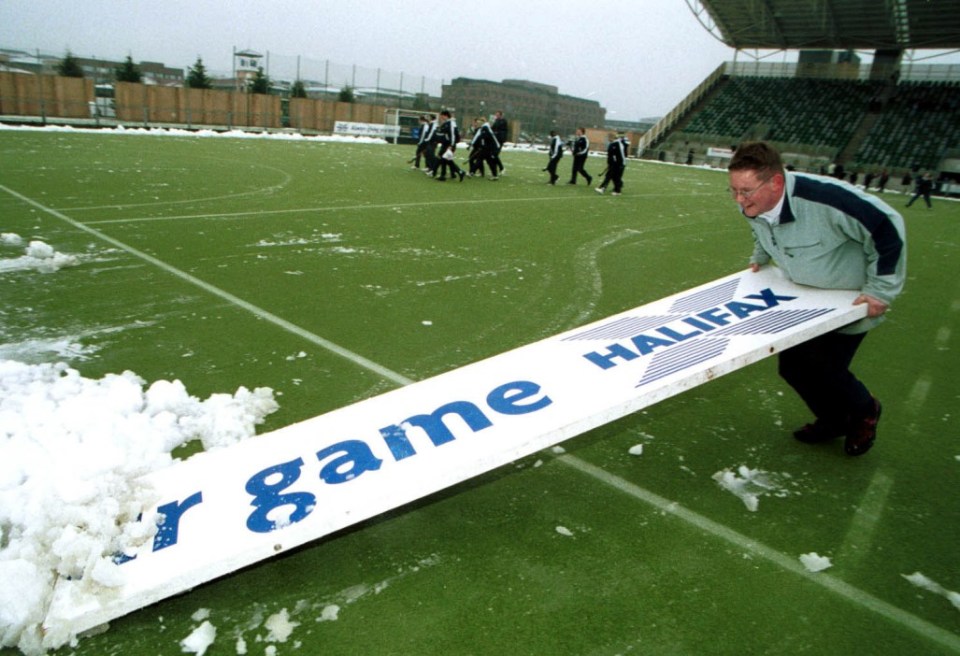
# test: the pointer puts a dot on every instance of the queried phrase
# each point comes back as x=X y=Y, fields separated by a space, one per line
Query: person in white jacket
x=824 y=233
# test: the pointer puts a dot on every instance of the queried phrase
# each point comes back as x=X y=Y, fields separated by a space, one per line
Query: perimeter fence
x=42 y=97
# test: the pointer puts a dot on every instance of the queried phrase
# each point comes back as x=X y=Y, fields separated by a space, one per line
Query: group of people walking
x=438 y=140
x=440 y=135
x=617 y=150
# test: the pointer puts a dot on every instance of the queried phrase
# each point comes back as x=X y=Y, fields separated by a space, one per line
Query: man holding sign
x=824 y=233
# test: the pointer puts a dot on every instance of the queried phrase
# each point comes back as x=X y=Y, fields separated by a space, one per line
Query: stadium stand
x=864 y=117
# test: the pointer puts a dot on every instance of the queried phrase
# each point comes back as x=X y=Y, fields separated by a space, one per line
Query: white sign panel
x=228 y=509
x=724 y=153
x=366 y=129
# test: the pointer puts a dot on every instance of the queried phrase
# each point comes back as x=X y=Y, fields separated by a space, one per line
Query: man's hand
x=875 y=307
x=754 y=267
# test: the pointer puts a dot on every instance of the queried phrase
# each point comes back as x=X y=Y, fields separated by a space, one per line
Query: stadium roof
x=832 y=24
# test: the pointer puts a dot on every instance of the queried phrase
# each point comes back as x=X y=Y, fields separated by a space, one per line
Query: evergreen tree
x=128 y=71
x=260 y=83
x=346 y=94
x=197 y=77
x=69 y=66
x=298 y=90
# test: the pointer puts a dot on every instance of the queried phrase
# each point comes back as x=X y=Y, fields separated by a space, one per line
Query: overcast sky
x=637 y=58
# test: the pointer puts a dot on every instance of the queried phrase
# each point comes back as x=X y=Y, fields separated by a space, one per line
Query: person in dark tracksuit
x=923 y=188
x=429 y=140
x=448 y=136
x=581 y=148
x=556 y=153
x=483 y=148
x=422 y=140
x=500 y=129
x=616 y=163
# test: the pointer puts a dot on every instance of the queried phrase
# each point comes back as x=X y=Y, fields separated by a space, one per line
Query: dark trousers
x=578 y=163
x=430 y=153
x=819 y=371
x=614 y=175
x=445 y=164
x=552 y=168
x=421 y=151
x=917 y=194
x=481 y=155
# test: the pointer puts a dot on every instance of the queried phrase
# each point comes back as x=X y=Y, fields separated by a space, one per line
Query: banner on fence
x=366 y=129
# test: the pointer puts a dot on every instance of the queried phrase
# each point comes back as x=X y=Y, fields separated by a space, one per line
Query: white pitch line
x=790 y=564
x=739 y=540
x=331 y=208
x=866 y=520
x=355 y=358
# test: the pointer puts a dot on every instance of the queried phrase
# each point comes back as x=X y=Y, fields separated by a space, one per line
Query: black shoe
x=862 y=432
x=461 y=176
x=589 y=180
x=817 y=432
x=440 y=179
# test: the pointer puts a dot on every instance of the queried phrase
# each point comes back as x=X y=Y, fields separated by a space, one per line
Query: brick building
x=538 y=108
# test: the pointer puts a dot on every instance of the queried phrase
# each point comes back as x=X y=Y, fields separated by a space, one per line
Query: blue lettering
x=696 y=323
x=704 y=321
x=168 y=525
x=355 y=453
x=743 y=310
x=396 y=435
x=267 y=497
x=507 y=398
x=771 y=299
x=605 y=360
x=645 y=344
x=676 y=336
x=712 y=316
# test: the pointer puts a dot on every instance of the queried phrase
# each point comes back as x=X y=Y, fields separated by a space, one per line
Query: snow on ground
x=37 y=256
x=178 y=132
x=237 y=134
x=814 y=562
x=751 y=484
x=74 y=451
x=926 y=583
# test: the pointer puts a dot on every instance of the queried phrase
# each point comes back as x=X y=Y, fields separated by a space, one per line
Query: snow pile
x=815 y=562
x=38 y=256
x=73 y=451
x=750 y=484
x=200 y=639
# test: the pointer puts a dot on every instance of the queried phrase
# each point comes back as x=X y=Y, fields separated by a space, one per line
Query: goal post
x=408 y=122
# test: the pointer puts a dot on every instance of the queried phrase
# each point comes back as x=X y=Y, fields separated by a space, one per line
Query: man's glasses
x=746 y=194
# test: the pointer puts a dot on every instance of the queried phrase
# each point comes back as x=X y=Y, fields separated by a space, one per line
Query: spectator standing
x=882 y=182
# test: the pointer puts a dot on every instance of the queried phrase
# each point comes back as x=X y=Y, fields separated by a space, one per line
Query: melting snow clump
x=74 y=452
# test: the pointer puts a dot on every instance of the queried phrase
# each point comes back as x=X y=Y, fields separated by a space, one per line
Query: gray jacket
x=833 y=235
